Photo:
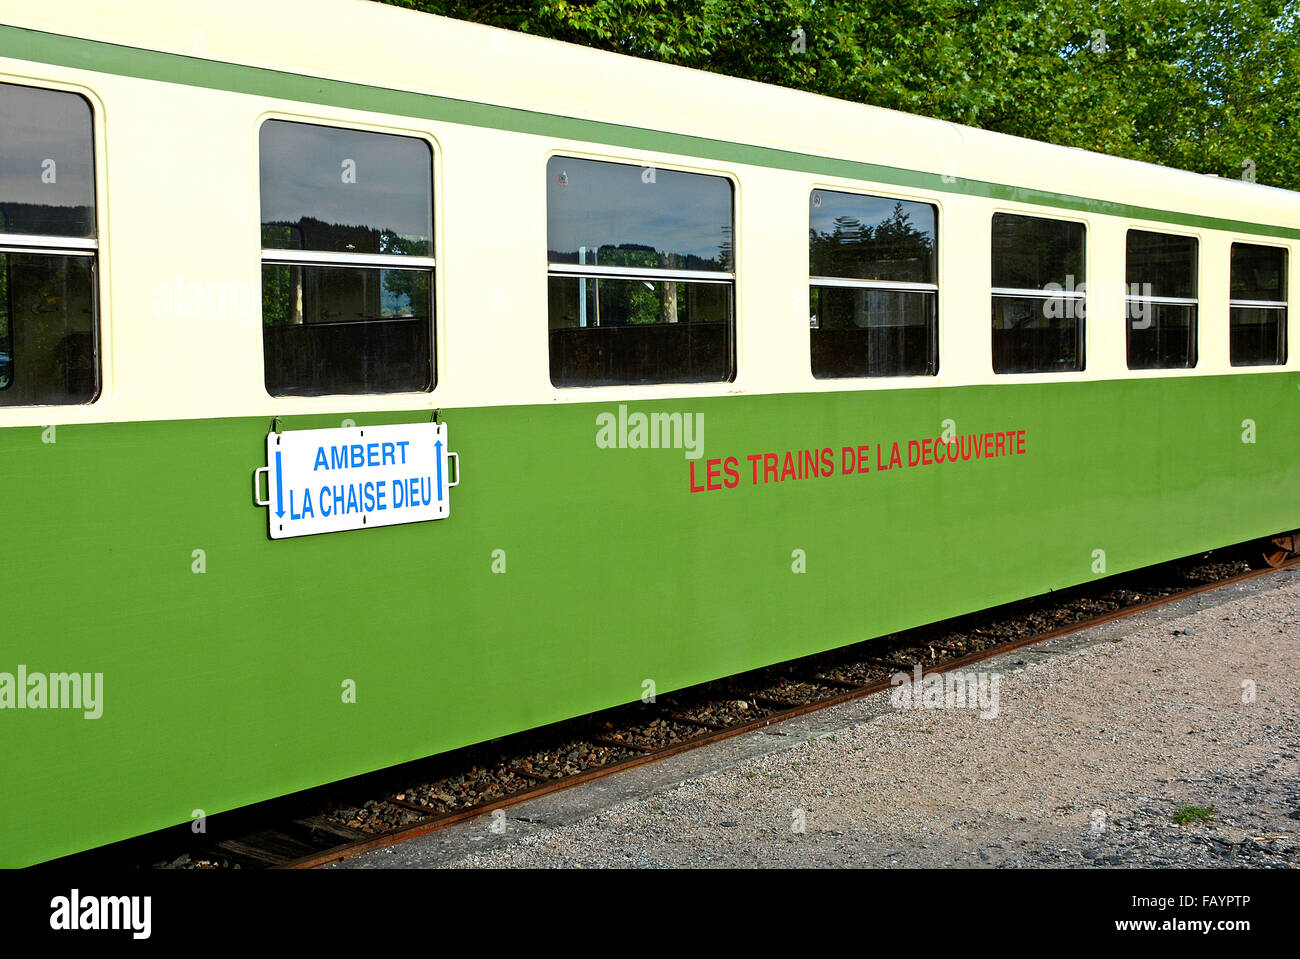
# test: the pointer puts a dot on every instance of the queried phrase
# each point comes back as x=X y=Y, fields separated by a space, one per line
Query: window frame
x=890 y=286
x=365 y=261
x=1283 y=306
x=1073 y=296
x=1194 y=347
x=52 y=245
x=597 y=272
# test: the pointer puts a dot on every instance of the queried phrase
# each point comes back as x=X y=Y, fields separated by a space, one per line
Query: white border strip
x=62 y=244
x=1260 y=304
x=1040 y=294
x=638 y=273
x=395 y=261
x=873 y=284
x=1163 y=300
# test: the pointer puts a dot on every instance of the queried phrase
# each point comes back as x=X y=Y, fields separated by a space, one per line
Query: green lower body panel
x=577 y=563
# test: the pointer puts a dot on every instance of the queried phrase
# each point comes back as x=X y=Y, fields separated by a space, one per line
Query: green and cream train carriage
x=735 y=374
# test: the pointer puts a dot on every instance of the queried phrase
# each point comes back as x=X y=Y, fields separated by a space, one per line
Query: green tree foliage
x=638 y=302
x=1205 y=85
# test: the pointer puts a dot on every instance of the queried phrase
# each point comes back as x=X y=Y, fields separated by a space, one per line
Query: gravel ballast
x=1169 y=740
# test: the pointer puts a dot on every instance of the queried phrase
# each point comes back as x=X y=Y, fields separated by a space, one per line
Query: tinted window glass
x=861 y=326
x=866 y=332
x=1258 y=272
x=871 y=238
x=345 y=191
x=1258 y=329
x=1258 y=336
x=605 y=332
x=344 y=330
x=47 y=184
x=1160 y=335
x=637 y=327
x=1036 y=335
x=619 y=214
x=1029 y=253
x=1160 y=264
x=47 y=329
x=349 y=326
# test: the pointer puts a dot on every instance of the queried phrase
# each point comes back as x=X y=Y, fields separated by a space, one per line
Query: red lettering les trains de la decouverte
x=819 y=463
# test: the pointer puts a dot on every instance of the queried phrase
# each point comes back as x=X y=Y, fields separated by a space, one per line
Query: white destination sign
x=324 y=481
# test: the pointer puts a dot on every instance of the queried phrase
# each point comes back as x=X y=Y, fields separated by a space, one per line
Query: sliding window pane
x=1161 y=336
x=1258 y=272
x=1031 y=253
x=1258 y=336
x=345 y=191
x=619 y=214
x=47 y=180
x=871 y=332
x=1161 y=264
x=1258 y=326
x=606 y=332
x=47 y=330
x=858 y=237
x=340 y=330
x=1036 y=335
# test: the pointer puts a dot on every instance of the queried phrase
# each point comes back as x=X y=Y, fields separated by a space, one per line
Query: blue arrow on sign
x=279 y=487
x=437 y=457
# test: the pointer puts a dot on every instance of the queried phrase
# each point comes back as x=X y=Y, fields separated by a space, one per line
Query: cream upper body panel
x=178 y=207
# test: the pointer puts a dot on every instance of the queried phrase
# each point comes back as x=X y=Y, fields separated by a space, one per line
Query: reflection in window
x=1258 y=305
x=641 y=275
x=873 y=297
x=619 y=214
x=346 y=191
x=47 y=329
x=1039 y=304
x=347 y=267
x=664 y=330
x=47 y=183
x=1161 y=304
x=48 y=326
x=345 y=330
x=1031 y=253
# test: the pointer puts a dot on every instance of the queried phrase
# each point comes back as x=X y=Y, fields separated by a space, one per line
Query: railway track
x=325 y=825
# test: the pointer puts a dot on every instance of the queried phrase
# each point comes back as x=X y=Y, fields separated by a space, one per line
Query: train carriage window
x=1161 y=301
x=1039 y=304
x=873 y=291
x=347 y=261
x=640 y=274
x=48 y=313
x=1258 y=305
